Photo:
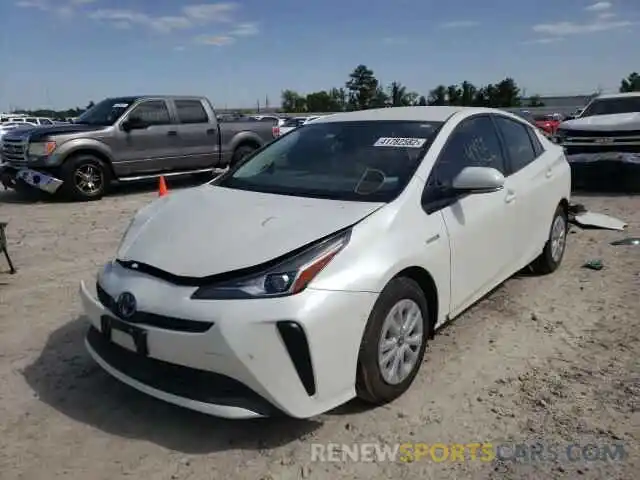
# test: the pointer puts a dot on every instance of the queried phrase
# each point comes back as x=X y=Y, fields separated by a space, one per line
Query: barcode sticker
x=400 y=142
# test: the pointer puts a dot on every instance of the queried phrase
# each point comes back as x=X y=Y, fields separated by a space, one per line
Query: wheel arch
x=429 y=288
x=104 y=158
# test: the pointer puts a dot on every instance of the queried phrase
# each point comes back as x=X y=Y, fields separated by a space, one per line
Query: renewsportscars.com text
x=463 y=452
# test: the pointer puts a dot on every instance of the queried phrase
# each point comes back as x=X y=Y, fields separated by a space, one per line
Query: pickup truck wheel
x=394 y=342
x=553 y=252
x=85 y=178
x=241 y=153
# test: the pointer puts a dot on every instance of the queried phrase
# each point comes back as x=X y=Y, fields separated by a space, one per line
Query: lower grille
x=152 y=319
x=577 y=149
x=185 y=382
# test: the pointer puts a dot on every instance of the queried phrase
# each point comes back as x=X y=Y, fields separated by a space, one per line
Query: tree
x=293 y=102
x=363 y=88
x=438 y=96
x=535 y=102
x=454 y=95
x=468 y=94
x=321 y=101
x=340 y=98
x=397 y=94
x=631 y=83
x=422 y=101
x=506 y=94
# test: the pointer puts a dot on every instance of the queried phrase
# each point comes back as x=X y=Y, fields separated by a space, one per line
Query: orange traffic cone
x=162 y=187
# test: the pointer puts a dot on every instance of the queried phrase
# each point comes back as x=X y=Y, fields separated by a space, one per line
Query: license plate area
x=125 y=334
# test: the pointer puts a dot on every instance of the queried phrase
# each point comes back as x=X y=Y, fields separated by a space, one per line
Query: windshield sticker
x=400 y=142
x=121 y=105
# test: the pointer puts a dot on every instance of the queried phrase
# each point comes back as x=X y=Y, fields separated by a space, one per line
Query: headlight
x=41 y=149
x=288 y=277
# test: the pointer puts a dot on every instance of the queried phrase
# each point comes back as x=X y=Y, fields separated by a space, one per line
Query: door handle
x=211 y=131
x=549 y=173
x=172 y=133
x=511 y=196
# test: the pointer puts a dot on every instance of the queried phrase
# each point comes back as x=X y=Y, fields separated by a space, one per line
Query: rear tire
x=241 y=153
x=85 y=178
x=384 y=342
x=553 y=252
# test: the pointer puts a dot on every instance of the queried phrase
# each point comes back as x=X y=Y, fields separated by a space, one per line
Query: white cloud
x=606 y=15
x=217 y=40
x=66 y=8
x=543 y=41
x=571 y=28
x=190 y=16
x=460 y=24
x=599 y=6
x=214 y=12
x=245 y=30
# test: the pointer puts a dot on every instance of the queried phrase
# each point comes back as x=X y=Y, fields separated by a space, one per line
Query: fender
x=70 y=147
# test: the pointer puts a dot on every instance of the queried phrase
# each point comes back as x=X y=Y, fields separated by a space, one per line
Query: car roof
x=617 y=95
x=418 y=114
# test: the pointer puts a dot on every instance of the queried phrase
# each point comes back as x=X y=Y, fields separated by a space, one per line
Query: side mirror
x=478 y=180
x=133 y=123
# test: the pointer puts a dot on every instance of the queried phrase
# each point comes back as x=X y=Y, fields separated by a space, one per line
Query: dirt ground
x=554 y=360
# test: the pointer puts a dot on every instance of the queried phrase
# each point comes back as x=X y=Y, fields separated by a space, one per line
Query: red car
x=548 y=123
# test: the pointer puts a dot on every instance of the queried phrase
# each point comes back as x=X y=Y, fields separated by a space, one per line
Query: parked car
x=127 y=139
x=317 y=270
x=30 y=120
x=293 y=123
x=8 y=126
x=548 y=123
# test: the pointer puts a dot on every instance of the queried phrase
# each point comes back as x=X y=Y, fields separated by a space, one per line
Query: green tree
x=631 y=83
x=454 y=95
x=422 y=101
x=293 y=102
x=321 y=101
x=506 y=94
x=468 y=94
x=535 y=101
x=340 y=97
x=363 y=88
x=438 y=96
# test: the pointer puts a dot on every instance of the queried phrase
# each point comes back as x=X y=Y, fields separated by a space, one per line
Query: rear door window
x=191 y=111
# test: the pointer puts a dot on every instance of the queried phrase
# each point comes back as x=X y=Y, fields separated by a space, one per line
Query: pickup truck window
x=367 y=161
x=152 y=112
x=106 y=112
x=611 y=106
x=191 y=111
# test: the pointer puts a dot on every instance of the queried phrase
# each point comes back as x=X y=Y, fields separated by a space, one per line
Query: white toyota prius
x=317 y=270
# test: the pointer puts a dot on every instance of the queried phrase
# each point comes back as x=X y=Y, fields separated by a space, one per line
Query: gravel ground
x=551 y=360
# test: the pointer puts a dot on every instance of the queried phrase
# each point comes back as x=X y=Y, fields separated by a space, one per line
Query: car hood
x=211 y=230
x=34 y=133
x=618 y=121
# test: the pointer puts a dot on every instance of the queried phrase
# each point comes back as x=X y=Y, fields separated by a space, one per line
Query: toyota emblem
x=126 y=305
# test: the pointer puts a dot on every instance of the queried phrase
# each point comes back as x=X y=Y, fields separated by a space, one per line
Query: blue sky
x=62 y=53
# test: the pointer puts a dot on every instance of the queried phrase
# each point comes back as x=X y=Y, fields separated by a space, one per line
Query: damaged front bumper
x=605 y=171
x=13 y=177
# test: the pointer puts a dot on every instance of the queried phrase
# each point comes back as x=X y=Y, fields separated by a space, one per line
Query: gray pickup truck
x=126 y=139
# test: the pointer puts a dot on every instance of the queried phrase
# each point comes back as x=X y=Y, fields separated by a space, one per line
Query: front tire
x=553 y=252
x=394 y=342
x=85 y=178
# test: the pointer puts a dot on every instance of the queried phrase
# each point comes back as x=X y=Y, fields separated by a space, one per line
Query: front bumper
x=11 y=175
x=243 y=365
